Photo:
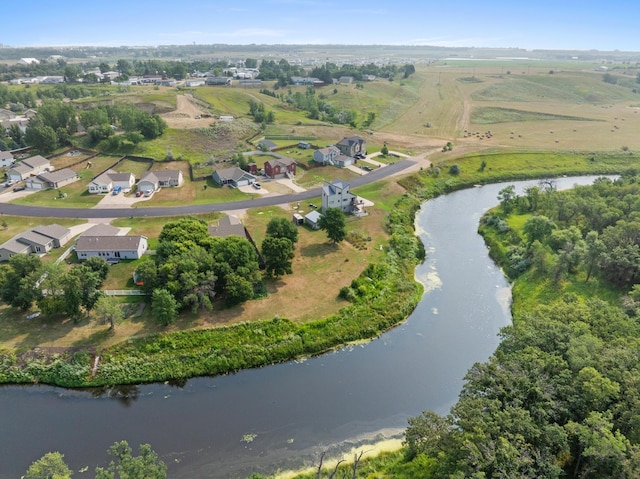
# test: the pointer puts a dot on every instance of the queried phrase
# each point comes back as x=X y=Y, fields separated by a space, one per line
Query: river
x=279 y=416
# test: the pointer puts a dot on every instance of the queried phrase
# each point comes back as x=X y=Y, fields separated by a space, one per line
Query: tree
x=43 y=138
x=49 y=466
x=127 y=466
x=333 y=222
x=384 y=150
x=19 y=289
x=147 y=273
x=507 y=198
x=99 y=266
x=250 y=63
x=108 y=309
x=164 y=307
x=278 y=253
x=238 y=289
x=282 y=228
x=537 y=228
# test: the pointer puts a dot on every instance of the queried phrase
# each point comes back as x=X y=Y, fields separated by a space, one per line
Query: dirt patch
x=188 y=114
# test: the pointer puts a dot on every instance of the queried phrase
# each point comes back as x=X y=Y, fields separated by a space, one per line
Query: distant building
x=29 y=61
x=352 y=146
x=38 y=240
x=218 y=80
x=228 y=226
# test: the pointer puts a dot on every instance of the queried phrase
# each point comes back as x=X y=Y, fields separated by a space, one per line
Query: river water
x=279 y=416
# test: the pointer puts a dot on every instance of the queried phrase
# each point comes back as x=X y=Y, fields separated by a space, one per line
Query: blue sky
x=533 y=24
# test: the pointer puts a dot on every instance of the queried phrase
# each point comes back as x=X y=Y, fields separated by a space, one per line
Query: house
x=151 y=181
x=343 y=161
x=326 y=155
x=295 y=80
x=6 y=114
x=111 y=248
x=53 y=179
x=6 y=158
x=38 y=240
x=368 y=77
x=250 y=83
x=226 y=118
x=280 y=167
x=110 y=179
x=337 y=195
x=234 y=176
x=29 y=167
x=218 y=80
x=345 y=79
x=352 y=146
x=103 y=229
x=59 y=234
x=228 y=226
x=192 y=83
x=267 y=145
x=312 y=219
x=305 y=145
x=29 y=61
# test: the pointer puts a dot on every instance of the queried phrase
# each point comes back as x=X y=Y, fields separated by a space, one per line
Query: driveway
x=120 y=201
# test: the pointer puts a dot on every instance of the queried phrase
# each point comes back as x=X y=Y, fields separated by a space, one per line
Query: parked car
x=147 y=193
x=138 y=194
x=257 y=186
x=117 y=190
x=18 y=188
x=34 y=315
x=9 y=183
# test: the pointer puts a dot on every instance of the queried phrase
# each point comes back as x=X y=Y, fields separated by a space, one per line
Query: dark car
x=19 y=188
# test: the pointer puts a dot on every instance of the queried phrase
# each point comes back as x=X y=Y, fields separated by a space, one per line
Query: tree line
x=560 y=398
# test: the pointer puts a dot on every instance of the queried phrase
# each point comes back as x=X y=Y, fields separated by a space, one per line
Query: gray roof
x=111 y=175
x=21 y=168
x=58 y=175
x=33 y=237
x=102 y=229
x=108 y=243
x=14 y=246
x=6 y=155
x=283 y=161
x=349 y=140
x=36 y=161
x=228 y=226
x=313 y=216
x=160 y=175
x=333 y=187
x=52 y=231
x=233 y=173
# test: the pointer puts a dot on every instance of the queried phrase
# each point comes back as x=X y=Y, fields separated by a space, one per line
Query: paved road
x=54 y=212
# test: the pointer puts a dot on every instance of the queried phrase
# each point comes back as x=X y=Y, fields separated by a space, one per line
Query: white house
x=337 y=195
x=29 y=61
x=326 y=155
x=111 y=248
x=150 y=181
x=108 y=180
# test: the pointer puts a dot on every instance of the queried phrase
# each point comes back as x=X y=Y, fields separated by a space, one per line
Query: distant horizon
x=249 y=45
x=546 y=25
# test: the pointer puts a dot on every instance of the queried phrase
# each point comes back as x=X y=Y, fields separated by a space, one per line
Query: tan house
x=52 y=180
x=30 y=167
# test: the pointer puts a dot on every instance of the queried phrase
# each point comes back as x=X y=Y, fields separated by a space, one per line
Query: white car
x=257 y=186
x=34 y=315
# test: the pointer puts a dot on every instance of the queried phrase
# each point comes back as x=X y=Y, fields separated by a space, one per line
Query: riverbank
x=382 y=297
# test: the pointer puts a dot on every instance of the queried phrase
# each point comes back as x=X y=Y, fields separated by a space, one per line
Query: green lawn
x=77 y=195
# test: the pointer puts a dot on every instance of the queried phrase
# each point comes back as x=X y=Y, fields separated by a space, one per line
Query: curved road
x=53 y=212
